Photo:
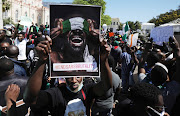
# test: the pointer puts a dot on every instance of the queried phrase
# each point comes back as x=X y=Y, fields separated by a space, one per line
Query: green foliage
x=105 y=19
x=166 y=17
x=137 y=25
x=131 y=25
x=7 y=21
x=5 y=5
x=120 y=27
x=84 y=2
x=92 y=2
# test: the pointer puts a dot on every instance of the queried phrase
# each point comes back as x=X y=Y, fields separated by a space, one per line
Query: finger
x=46 y=46
x=61 y=24
x=14 y=87
x=11 y=87
x=49 y=40
x=8 y=88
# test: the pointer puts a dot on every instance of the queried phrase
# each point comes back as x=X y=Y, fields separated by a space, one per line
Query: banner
x=75 y=49
x=132 y=41
x=26 y=21
x=161 y=34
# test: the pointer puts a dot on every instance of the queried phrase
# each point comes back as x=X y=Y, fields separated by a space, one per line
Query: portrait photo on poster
x=74 y=30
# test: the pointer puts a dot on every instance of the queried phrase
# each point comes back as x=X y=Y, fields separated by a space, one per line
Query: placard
x=161 y=34
x=75 y=49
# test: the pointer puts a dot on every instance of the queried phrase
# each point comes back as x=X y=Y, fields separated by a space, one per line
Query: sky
x=135 y=10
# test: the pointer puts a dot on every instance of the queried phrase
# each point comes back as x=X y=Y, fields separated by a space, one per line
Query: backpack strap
x=83 y=94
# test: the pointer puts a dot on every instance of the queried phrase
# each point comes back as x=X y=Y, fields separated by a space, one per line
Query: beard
x=75 y=46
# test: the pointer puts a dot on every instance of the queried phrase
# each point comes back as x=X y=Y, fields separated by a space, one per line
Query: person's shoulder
x=20 y=80
x=88 y=86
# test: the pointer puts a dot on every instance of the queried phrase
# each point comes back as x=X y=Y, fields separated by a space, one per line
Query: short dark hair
x=12 y=51
x=6 y=65
x=145 y=92
x=158 y=75
x=153 y=57
x=23 y=33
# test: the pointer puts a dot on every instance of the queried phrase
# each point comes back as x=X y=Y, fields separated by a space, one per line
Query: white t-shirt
x=22 y=48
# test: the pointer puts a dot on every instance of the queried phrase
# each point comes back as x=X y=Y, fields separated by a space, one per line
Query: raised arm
x=143 y=59
x=16 y=31
x=106 y=75
x=176 y=51
x=35 y=81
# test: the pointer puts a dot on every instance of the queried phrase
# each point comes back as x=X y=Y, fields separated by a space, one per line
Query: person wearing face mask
x=70 y=98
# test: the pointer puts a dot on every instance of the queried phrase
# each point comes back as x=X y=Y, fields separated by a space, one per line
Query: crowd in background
x=153 y=91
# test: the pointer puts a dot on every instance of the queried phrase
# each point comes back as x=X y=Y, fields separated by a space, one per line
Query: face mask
x=155 y=111
x=78 y=89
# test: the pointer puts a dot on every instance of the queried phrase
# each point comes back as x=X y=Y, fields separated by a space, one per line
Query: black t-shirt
x=55 y=100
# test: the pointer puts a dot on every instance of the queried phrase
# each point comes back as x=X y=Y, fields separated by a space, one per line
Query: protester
x=3 y=47
x=160 y=78
x=19 y=67
x=125 y=60
x=8 y=77
x=103 y=106
x=3 y=37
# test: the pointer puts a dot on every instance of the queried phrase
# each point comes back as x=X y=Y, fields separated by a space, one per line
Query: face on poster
x=75 y=37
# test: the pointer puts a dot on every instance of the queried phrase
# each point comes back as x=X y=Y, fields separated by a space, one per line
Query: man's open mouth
x=76 y=41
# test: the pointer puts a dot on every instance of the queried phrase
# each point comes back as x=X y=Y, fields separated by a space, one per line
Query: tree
x=137 y=25
x=131 y=25
x=120 y=26
x=92 y=2
x=6 y=5
x=105 y=19
x=8 y=21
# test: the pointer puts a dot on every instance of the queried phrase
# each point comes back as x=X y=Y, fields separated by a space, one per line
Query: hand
x=58 y=28
x=12 y=92
x=173 y=43
x=105 y=49
x=44 y=49
x=92 y=30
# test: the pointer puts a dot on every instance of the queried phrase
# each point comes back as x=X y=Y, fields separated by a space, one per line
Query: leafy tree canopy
x=92 y=2
x=105 y=19
x=5 y=5
x=166 y=17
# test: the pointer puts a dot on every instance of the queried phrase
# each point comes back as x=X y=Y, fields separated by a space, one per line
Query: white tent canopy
x=176 y=27
x=175 y=24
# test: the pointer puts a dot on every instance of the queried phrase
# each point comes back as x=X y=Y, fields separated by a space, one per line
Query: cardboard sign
x=75 y=50
x=161 y=34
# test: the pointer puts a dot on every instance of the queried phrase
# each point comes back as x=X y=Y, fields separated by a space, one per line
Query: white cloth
x=75 y=107
x=22 y=48
x=76 y=23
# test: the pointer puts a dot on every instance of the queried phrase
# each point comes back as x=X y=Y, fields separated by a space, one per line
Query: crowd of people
x=27 y=89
